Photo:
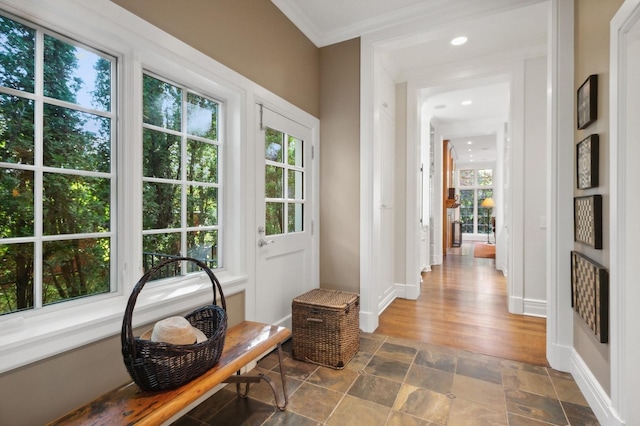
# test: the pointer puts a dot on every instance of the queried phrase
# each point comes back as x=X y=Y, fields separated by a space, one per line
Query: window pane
x=295 y=185
x=16 y=277
x=202 y=161
x=162 y=104
x=16 y=203
x=17 y=52
x=467 y=177
x=203 y=246
x=76 y=75
x=161 y=206
x=16 y=129
x=295 y=219
x=484 y=214
x=161 y=155
x=75 y=268
x=274 y=221
x=274 y=143
x=274 y=185
x=202 y=117
x=202 y=206
x=157 y=248
x=485 y=177
x=75 y=204
x=295 y=152
x=466 y=210
x=76 y=140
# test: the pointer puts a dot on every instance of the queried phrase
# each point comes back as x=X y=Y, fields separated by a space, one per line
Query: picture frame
x=587 y=162
x=590 y=294
x=587 y=220
x=587 y=99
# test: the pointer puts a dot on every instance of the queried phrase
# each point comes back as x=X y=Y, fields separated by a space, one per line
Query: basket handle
x=127 y=329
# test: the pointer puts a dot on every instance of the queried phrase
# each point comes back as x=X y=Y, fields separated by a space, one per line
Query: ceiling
x=506 y=34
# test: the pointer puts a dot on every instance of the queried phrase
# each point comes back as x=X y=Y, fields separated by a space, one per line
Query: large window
x=181 y=192
x=475 y=186
x=57 y=181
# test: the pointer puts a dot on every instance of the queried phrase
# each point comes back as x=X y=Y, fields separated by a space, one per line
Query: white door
x=284 y=234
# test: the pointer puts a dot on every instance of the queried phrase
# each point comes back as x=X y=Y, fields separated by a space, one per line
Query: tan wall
x=43 y=391
x=340 y=166
x=252 y=37
x=592 y=19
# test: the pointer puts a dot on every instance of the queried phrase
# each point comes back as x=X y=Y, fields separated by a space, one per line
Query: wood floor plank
x=463 y=304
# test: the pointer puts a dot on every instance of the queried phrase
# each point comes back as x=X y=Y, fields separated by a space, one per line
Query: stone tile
x=370 y=345
x=516 y=365
x=375 y=389
x=483 y=369
x=386 y=367
x=270 y=361
x=359 y=361
x=529 y=382
x=515 y=420
x=568 y=390
x=404 y=342
x=243 y=412
x=430 y=378
x=337 y=380
x=468 y=413
x=298 y=369
x=398 y=418
x=535 y=406
x=212 y=405
x=262 y=391
x=560 y=374
x=356 y=411
x=479 y=391
x=440 y=349
x=580 y=415
x=397 y=352
x=187 y=421
x=423 y=403
x=314 y=402
x=288 y=418
x=439 y=360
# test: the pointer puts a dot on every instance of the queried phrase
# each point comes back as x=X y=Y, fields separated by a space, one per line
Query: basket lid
x=327 y=298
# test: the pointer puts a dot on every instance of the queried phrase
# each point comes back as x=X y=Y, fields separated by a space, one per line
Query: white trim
x=535 y=307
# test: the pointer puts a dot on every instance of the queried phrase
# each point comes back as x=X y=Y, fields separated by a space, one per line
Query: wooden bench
x=131 y=405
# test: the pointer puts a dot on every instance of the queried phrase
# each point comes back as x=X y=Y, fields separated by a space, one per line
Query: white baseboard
x=535 y=308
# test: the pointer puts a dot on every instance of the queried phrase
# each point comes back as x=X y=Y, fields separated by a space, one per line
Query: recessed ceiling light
x=469 y=149
x=439 y=107
x=469 y=142
x=458 y=41
x=465 y=103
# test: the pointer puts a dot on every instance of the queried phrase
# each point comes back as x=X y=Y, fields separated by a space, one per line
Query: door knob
x=262 y=242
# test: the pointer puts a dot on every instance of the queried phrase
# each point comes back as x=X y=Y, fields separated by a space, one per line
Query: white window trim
x=476 y=208
x=34 y=335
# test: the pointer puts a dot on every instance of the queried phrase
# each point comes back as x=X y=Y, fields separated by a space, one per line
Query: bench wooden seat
x=129 y=404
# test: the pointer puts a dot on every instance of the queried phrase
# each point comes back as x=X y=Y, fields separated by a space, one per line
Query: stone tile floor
x=396 y=382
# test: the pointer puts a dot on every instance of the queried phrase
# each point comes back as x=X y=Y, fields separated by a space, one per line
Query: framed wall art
x=588 y=102
x=590 y=294
x=587 y=153
x=587 y=220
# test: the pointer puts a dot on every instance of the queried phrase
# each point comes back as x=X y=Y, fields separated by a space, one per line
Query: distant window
x=57 y=180
x=473 y=217
x=181 y=183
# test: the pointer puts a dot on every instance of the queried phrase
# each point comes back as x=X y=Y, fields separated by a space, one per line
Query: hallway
x=463 y=304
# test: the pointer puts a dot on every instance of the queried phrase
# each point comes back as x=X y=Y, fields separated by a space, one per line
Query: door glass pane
x=295 y=185
x=16 y=277
x=295 y=219
x=273 y=182
x=295 y=157
x=274 y=220
x=466 y=210
x=273 y=145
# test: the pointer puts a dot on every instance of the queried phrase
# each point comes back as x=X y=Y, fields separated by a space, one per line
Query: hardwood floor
x=463 y=304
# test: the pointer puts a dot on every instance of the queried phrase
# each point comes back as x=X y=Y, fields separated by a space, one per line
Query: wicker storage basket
x=159 y=366
x=326 y=327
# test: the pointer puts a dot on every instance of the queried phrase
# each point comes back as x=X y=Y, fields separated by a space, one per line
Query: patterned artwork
x=590 y=294
x=587 y=153
x=587 y=220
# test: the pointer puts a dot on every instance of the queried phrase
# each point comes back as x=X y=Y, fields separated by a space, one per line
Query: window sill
x=30 y=338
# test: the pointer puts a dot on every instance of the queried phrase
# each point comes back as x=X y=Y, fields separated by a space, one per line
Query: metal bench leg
x=248 y=379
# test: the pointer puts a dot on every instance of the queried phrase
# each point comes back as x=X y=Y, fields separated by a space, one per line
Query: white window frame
x=475 y=188
x=30 y=336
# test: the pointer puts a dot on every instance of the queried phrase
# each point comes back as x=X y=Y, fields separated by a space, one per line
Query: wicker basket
x=159 y=366
x=326 y=327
